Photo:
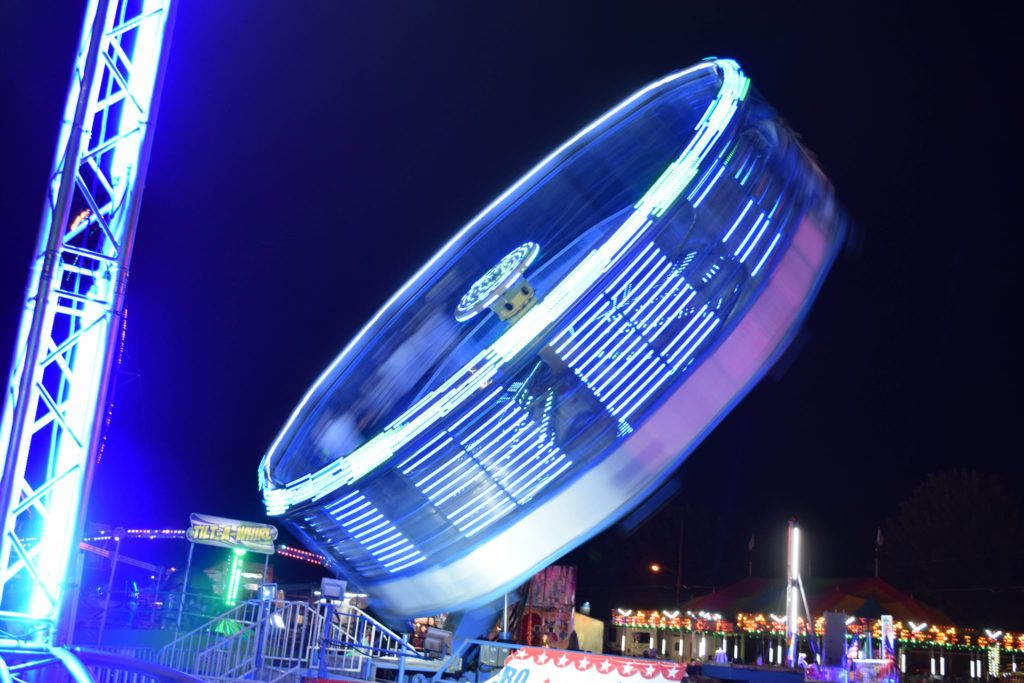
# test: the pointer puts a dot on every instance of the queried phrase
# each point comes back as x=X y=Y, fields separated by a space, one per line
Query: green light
x=746 y=87
x=728 y=157
x=234 y=578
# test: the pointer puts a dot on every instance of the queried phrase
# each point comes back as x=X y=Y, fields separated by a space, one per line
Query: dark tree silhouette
x=957 y=542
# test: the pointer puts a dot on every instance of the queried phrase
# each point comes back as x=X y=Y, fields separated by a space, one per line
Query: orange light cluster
x=676 y=621
x=759 y=623
x=932 y=636
x=78 y=220
x=939 y=636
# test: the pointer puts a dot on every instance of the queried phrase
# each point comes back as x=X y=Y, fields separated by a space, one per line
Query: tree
x=957 y=542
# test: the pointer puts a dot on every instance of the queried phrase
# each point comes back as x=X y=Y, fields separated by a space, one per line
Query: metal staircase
x=288 y=640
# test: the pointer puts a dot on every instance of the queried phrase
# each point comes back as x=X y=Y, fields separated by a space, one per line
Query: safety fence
x=287 y=640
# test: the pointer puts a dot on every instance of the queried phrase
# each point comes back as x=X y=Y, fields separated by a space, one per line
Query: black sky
x=310 y=155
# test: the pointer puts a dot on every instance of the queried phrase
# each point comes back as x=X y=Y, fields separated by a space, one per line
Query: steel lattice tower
x=57 y=392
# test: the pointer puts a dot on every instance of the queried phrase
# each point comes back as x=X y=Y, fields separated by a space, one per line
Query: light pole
x=656 y=567
x=792 y=591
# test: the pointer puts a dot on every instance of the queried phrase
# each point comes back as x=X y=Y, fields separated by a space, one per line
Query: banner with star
x=542 y=665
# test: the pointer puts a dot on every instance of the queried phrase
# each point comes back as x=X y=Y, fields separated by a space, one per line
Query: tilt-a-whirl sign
x=232 y=533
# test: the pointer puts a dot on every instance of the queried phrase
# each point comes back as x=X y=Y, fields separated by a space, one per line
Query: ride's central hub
x=503 y=288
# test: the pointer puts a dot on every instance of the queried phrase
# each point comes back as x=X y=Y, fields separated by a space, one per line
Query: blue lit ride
x=564 y=352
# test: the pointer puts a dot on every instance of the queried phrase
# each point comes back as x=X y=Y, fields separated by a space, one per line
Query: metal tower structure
x=56 y=401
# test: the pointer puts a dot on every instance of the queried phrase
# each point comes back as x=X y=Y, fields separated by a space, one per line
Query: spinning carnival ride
x=564 y=352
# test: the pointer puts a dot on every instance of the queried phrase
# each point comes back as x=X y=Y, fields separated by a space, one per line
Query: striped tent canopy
x=767 y=596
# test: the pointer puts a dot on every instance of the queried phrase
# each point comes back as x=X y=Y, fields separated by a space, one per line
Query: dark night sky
x=310 y=155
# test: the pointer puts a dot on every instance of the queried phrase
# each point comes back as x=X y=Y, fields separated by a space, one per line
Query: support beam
x=56 y=402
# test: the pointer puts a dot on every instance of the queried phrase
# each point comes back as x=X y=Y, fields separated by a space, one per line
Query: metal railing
x=145 y=611
x=477 y=660
x=220 y=645
x=355 y=644
x=22 y=660
x=286 y=640
x=104 y=673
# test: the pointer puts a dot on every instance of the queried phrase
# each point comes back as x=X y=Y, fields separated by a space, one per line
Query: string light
x=151 y=534
x=912 y=633
x=175 y=534
x=300 y=554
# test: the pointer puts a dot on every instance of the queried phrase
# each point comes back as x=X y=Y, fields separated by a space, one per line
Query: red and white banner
x=541 y=665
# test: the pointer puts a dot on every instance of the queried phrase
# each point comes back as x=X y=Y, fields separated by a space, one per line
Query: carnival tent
x=760 y=595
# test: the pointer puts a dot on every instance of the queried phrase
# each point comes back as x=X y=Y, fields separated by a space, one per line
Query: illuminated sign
x=232 y=533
